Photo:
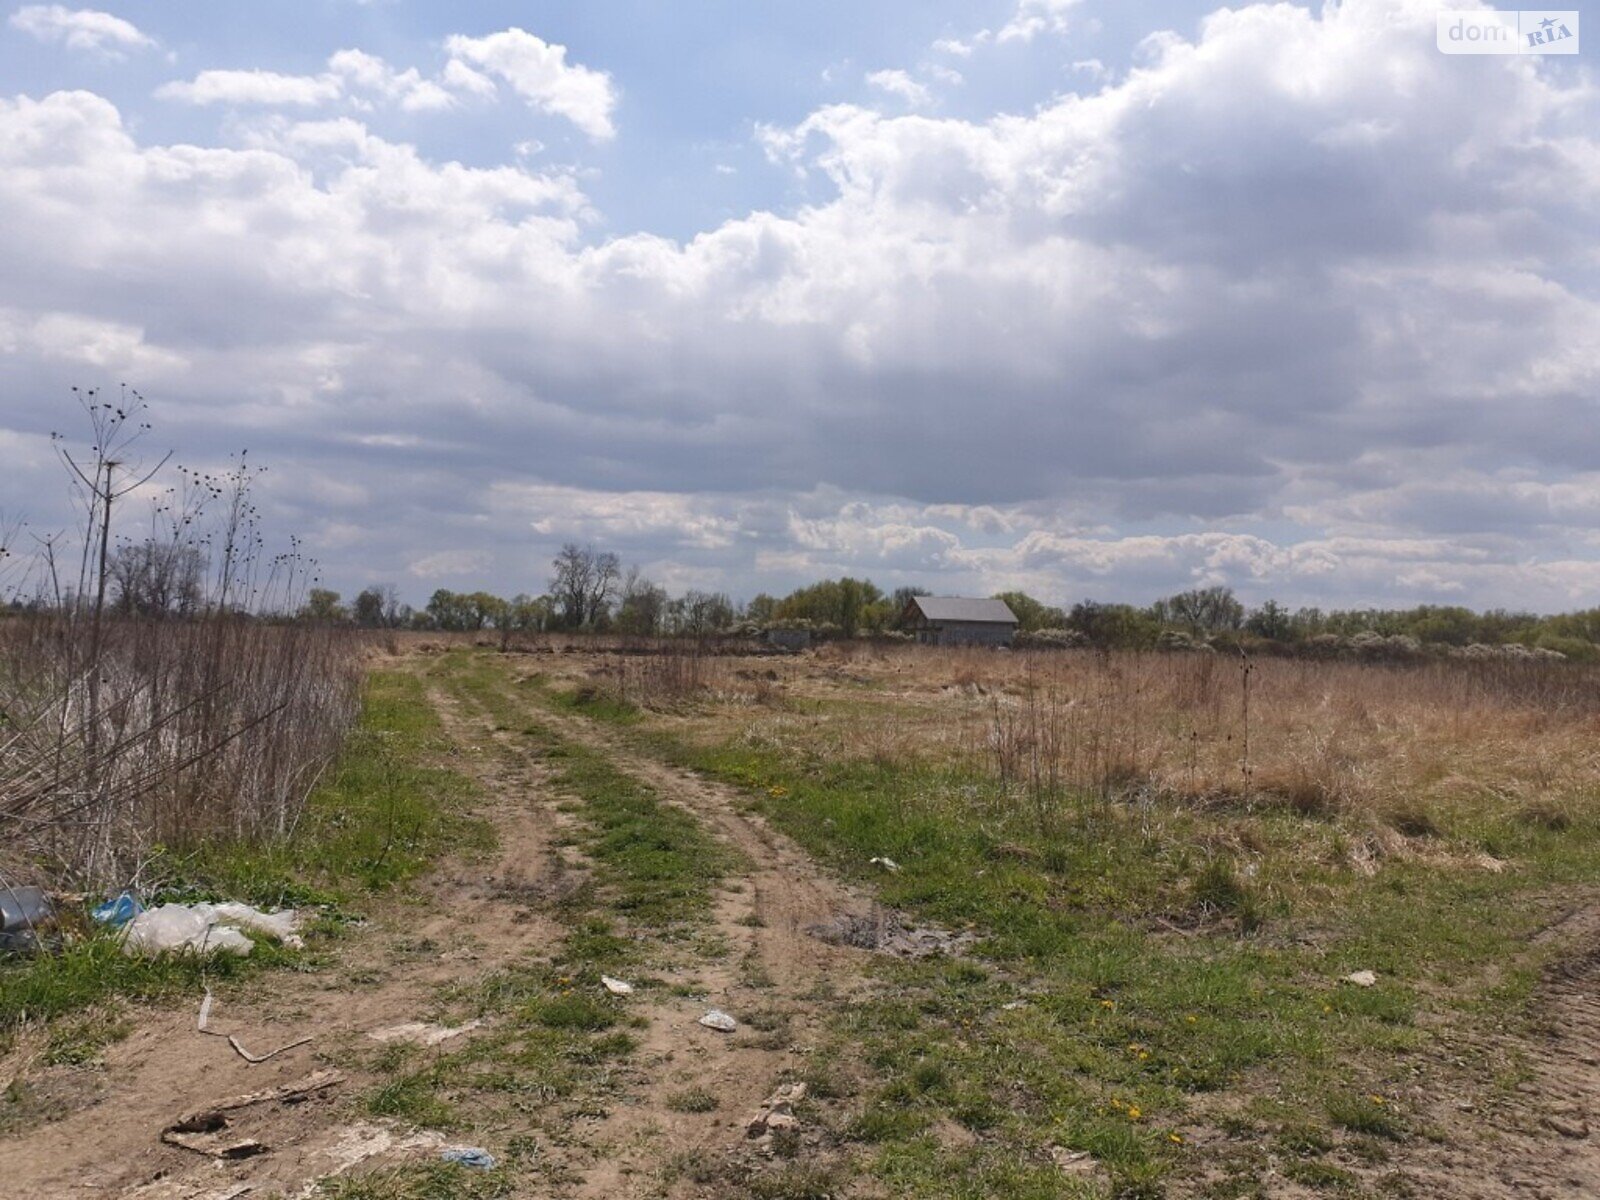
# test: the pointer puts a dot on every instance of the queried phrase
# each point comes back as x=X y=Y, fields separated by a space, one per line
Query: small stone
x=719 y=1020
x=616 y=987
x=1361 y=978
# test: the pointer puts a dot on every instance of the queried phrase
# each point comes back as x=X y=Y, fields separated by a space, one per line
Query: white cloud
x=255 y=87
x=898 y=83
x=354 y=76
x=450 y=564
x=1034 y=17
x=1276 y=308
x=82 y=29
x=367 y=72
x=539 y=72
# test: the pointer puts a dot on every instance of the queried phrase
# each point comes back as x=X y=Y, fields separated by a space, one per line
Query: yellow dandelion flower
x=1175 y=1139
x=1134 y=1112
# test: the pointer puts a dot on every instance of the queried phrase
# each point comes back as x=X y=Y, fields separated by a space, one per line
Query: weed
x=693 y=1100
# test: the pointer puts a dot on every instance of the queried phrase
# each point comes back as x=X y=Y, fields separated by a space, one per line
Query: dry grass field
x=990 y=925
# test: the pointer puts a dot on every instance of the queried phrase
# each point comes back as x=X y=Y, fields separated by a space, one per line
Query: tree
x=157 y=579
x=1114 y=625
x=322 y=607
x=851 y=604
x=701 y=613
x=643 y=606
x=1271 y=620
x=376 y=607
x=1202 y=610
x=584 y=584
x=1032 y=614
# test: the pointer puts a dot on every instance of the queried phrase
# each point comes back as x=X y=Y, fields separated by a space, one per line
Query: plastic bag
x=119 y=910
x=205 y=929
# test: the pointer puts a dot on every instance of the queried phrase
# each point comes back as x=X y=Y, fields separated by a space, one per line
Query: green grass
x=380 y=818
x=657 y=867
x=1161 y=964
x=556 y=1047
x=693 y=1100
x=421 y=1181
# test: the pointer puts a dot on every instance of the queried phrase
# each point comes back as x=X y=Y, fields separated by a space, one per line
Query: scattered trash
x=118 y=911
x=205 y=1140
x=1361 y=978
x=359 y=1143
x=1073 y=1162
x=882 y=930
x=1013 y=1005
x=777 y=1111
x=888 y=864
x=421 y=1034
x=616 y=986
x=203 y=1026
x=719 y=1020
x=205 y=1130
x=24 y=913
x=468 y=1156
x=206 y=929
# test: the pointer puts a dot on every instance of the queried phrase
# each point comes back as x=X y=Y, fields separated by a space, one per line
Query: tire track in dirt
x=473 y=916
x=1543 y=1143
x=777 y=975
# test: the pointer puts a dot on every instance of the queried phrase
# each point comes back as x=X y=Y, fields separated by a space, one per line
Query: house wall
x=789 y=639
x=966 y=633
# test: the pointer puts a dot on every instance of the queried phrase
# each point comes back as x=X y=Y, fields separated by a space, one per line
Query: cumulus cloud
x=899 y=83
x=1033 y=17
x=364 y=80
x=253 y=88
x=1296 y=304
x=83 y=29
x=539 y=72
x=361 y=71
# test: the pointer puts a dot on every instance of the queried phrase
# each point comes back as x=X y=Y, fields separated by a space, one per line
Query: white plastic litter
x=719 y=1020
x=1361 y=978
x=421 y=1034
x=888 y=864
x=616 y=986
x=206 y=929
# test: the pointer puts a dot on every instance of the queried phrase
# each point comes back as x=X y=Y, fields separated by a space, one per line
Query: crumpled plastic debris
x=719 y=1020
x=118 y=911
x=888 y=864
x=24 y=913
x=468 y=1156
x=206 y=929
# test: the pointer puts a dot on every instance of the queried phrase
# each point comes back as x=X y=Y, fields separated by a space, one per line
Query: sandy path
x=471 y=918
x=776 y=976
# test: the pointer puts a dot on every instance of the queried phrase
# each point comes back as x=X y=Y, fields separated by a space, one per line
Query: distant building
x=792 y=640
x=952 y=621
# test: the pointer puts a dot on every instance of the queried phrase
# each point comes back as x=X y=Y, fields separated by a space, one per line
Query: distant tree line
x=590 y=590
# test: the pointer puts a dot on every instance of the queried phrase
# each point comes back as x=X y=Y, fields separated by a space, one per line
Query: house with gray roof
x=954 y=621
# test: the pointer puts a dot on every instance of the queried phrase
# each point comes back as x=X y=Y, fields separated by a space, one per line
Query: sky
x=1097 y=300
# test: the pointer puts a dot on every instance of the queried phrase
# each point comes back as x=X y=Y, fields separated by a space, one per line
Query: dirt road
x=102 y=1135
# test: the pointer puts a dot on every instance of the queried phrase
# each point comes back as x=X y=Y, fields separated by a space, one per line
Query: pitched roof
x=955 y=608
